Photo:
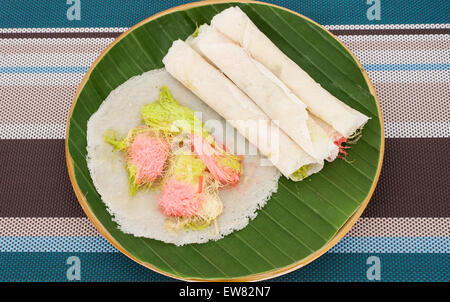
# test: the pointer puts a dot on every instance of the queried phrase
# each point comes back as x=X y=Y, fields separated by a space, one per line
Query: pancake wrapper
x=346 y=121
x=265 y=89
x=222 y=95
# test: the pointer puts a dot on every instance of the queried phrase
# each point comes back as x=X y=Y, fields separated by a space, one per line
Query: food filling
x=146 y=153
x=173 y=152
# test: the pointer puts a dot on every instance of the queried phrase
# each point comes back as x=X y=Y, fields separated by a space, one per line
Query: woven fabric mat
x=43 y=57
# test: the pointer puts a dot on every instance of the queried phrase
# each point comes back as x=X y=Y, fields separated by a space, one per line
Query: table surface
x=405 y=230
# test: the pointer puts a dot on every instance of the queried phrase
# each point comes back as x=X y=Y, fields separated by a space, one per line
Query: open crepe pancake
x=140 y=215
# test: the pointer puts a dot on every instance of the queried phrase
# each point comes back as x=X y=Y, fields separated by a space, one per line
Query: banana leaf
x=302 y=220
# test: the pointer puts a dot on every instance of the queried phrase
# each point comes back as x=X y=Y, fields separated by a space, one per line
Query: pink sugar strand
x=342 y=153
x=149 y=154
x=179 y=199
x=208 y=155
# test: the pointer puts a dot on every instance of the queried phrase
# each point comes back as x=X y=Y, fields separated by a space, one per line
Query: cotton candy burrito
x=237 y=26
x=222 y=95
x=265 y=89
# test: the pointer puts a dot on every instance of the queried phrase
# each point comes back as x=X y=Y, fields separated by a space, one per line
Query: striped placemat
x=404 y=234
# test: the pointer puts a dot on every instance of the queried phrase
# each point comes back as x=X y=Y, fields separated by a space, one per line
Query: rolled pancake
x=140 y=215
x=287 y=113
x=269 y=93
x=237 y=26
x=216 y=90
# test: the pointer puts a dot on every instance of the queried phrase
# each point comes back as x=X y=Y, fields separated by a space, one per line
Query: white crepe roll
x=326 y=135
x=266 y=90
x=322 y=137
x=237 y=26
x=322 y=141
x=285 y=110
x=216 y=90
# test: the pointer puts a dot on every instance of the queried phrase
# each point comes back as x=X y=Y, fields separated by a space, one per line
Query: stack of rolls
x=234 y=68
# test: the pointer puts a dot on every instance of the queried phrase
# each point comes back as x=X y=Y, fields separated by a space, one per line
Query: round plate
x=303 y=219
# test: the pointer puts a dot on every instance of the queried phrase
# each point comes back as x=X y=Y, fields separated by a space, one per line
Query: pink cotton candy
x=209 y=157
x=179 y=199
x=149 y=155
x=339 y=142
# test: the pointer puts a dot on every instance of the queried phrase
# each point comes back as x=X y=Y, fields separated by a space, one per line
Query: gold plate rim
x=254 y=277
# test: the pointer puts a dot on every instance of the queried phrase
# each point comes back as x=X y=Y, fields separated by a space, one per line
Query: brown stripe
x=413 y=182
x=414 y=179
x=58 y=35
x=34 y=180
x=352 y=32
x=441 y=44
x=393 y=31
x=36 y=104
x=414 y=102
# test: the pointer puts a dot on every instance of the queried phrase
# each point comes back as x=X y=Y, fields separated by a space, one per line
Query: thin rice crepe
x=139 y=215
x=237 y=26
x=266 y=90
x=216 y=90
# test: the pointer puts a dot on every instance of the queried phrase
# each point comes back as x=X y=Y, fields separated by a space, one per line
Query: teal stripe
x=84 y=69
x=346 y=245
x=329 y=267
x=125 y=13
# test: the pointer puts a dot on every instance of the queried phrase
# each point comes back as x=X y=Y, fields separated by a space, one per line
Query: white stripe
x=410 y=76
x=401 y=227
x=417 y=129
x=413 y=76
x=32 y=131
x=63 y=30
x=85 y=59
x=95 y=42
x=403 y=56
x=364 y=227
x=47 y=59
x=41 y=79
x=122 y=29
x=43 y=226
x=394 y=38
x=344 y=38
x=58 y=131
x=386 y=26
